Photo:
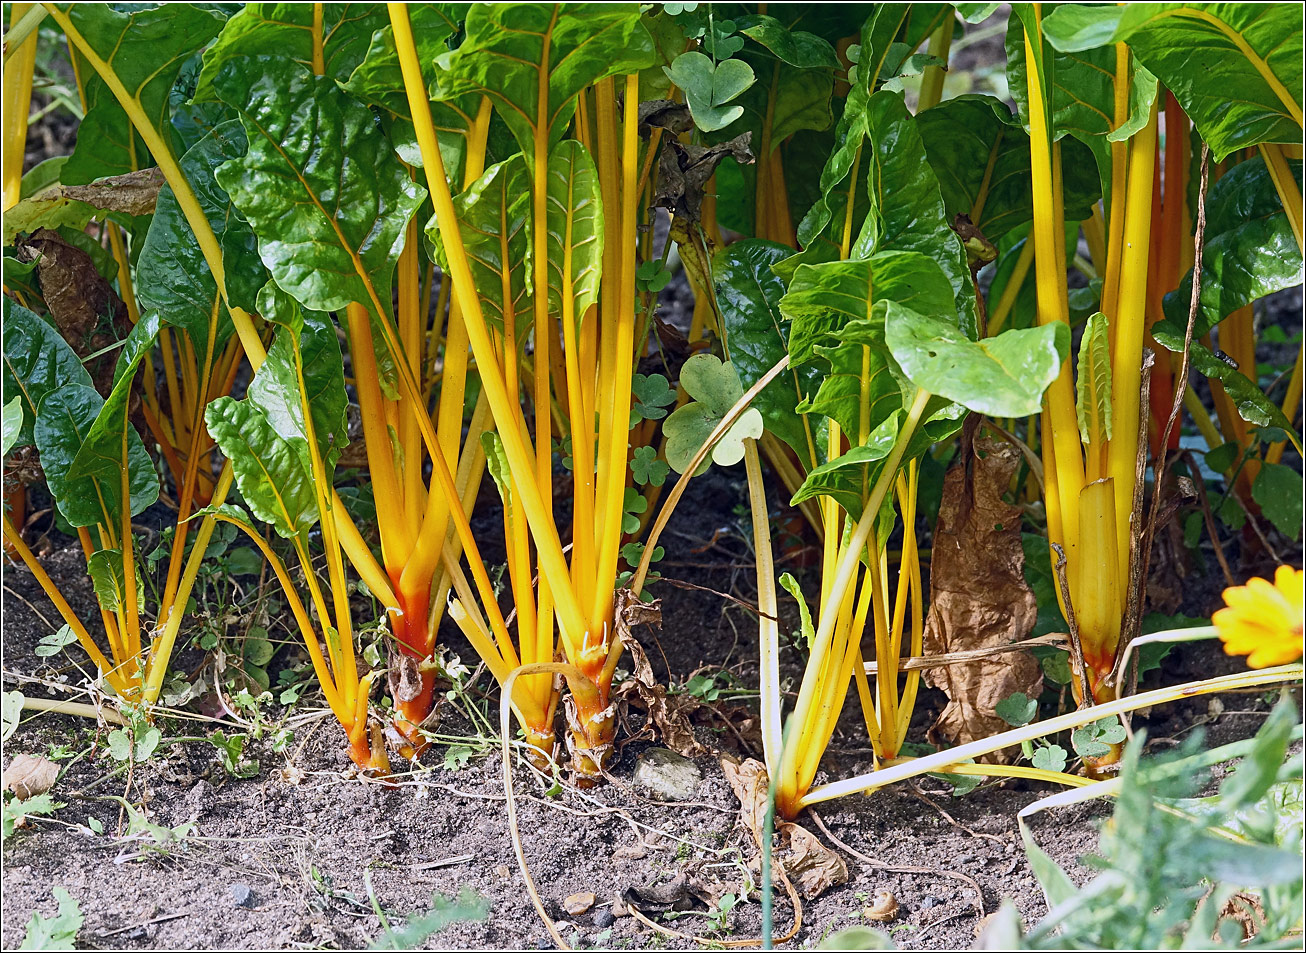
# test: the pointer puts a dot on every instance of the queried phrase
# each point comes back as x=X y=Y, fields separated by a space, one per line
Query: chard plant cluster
x=440 y=231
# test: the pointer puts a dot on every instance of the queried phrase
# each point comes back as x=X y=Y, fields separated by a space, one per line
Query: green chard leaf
x=326 y=196
x=980 y=153
x=146 y=48
x=63 y=425
x=1093 y=394
x=286 y=30
x=100 y=458
x=13 y=424
x=1248 y=88
x=1249 y=251
x=1250 y=401
x=575 y=223
x=1278 y=492
x=1003 y=376
x=748 y=293
x=493 y=216
x=907 y=211
x=507 y=46
x=37 y=361
x=378 y=81
x=1082 y=102
x=106 y=572
x=172 y=275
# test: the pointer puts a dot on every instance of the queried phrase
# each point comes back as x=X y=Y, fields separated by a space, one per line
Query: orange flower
x=1264 y=621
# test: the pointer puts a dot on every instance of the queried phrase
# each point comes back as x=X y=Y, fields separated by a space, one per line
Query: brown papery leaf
x=684 y=168
x=29 y=775
x=133 y=193
x=84 y=307
x=667 y=714
x=978 y=594
x=813 y=867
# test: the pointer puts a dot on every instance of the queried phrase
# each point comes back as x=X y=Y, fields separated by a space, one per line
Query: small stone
x=242 y=896
x=619 y=908
x=578 y=903
x=543 y=942
x=604 y=918
x=503 y=872
x=929 y=902
x=666 y=775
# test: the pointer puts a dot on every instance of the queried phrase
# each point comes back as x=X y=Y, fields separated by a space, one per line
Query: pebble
x=578 y=903
x=664 y=774
x=604 y=918
x=242 y=896
x=929 y=901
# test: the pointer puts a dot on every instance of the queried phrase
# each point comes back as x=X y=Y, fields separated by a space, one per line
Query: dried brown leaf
x=813 y=867
x=667 y=714
x=978 y=594
x=133 y=193
x=83 y=306
x=29 y=775
x=684 y=168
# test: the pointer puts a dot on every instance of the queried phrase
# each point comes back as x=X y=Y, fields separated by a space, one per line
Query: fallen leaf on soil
x=29 y=775
x=578 y=903
x=813 y=867
x=686 y=890
x=668 y=714
x=978 y=594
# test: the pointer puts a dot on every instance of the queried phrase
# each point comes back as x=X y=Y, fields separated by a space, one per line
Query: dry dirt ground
x=297 y=855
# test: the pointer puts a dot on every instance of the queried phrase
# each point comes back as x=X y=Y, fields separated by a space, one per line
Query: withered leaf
x=684 y=168
x=133 y=193
x=665 y=114
x=29 y=775
x=978 y=594
x=84 y=307
x=668 y=714
x=813 y=867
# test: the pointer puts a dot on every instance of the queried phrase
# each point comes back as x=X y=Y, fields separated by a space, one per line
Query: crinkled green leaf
x=286 y=30
x=575 y=223
x=715 y=388
x=172 y=275
x=37 y=361
x=906 y=205
x=748 y=293
x=493 y=216
x=106 y=571
x=507 y=45
x=1082 y=103
x=1249 y=252
x=1246 y=86
x=378 y=80
x=980 y=153
x=146 y=48
x=269 y=470
x=315 y=356
x=1093 y=387
x=1003 y=376
x=63 y=423
x=323 y=191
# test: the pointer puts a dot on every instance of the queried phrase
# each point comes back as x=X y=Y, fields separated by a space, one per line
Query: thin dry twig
x=896 y=869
